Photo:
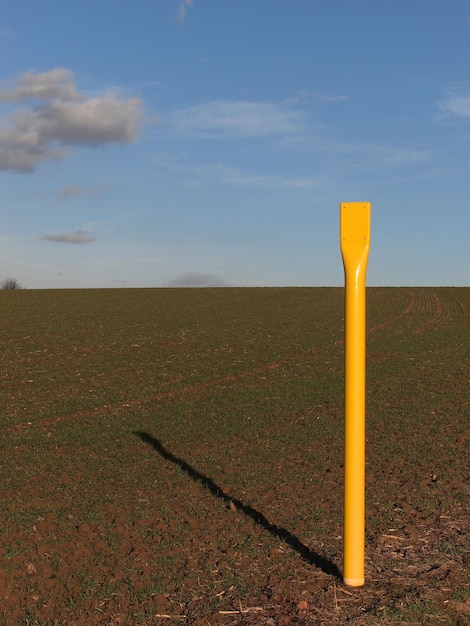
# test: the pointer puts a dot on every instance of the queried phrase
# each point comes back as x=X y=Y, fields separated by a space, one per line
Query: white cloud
x=30 y=136
x=194 y=279
x=57 y=83
x=79 y=236
x=235 y=119
x=98 y=120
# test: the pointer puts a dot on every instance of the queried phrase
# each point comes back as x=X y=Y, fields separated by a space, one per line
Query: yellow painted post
x=355 y=239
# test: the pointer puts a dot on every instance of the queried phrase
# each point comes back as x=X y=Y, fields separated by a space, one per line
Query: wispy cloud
x=71 y=191
x=389 y=155
x=237 y=119
x=327 y=97
x=219 y=174
x=456 y=106
x=184 y=5
x=79 y=236
x=59 y=115
x=224 y=175
x=242 y=119
x=304 y=96
x=358 y=154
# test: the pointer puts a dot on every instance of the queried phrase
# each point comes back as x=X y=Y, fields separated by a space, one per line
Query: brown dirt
x=62 y=568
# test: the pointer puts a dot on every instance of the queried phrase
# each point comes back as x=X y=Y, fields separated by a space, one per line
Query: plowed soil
x=176 y=457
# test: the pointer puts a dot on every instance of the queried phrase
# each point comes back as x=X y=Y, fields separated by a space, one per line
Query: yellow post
x=355 y=237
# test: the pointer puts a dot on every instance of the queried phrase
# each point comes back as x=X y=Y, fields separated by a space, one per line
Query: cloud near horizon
x=59 y=116
x=194 y=279
x=79 y=236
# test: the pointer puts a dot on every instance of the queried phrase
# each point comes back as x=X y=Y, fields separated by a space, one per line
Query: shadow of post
x=327 y=566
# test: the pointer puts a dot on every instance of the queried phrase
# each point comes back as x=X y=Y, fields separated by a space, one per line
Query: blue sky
x=209 y=142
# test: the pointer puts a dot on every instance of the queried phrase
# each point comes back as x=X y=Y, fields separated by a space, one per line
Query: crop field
x=175 y=456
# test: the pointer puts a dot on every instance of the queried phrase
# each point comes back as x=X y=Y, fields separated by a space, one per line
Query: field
x=174 y=456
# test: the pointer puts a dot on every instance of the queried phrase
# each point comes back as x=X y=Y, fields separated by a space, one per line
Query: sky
x=172 y=143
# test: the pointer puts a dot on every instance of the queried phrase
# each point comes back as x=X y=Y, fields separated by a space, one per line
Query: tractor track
x=217 y=382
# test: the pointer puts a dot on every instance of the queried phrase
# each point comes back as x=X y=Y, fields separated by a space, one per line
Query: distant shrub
x=10 y=284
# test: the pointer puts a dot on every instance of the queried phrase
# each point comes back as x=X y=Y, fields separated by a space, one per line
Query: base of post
x=354 y=582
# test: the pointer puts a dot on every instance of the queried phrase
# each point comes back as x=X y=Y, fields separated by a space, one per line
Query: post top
x=355 y=234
